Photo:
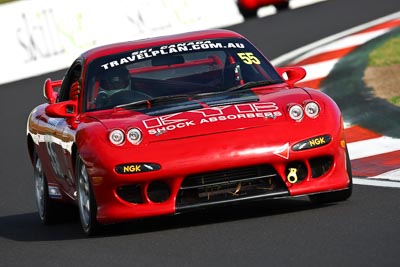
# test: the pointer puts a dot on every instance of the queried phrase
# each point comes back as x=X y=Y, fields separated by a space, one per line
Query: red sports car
x=249 y=8
x=171 y=124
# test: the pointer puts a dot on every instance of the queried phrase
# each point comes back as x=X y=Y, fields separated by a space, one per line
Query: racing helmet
x=115 y=79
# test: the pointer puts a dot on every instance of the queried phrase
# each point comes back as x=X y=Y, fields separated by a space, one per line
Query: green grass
x=387 y=54
x=395 y=100
x=5 y=1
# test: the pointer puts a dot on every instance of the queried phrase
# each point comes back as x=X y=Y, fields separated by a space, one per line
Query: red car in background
x=176 y=123
x=249 y=8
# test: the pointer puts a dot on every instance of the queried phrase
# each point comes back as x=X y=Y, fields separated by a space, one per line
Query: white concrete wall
x=39 y=36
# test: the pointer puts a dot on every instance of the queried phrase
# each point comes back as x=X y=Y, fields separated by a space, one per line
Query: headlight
x=312 y=109
x=117 y=137
x=134 y=136
x=296 y=112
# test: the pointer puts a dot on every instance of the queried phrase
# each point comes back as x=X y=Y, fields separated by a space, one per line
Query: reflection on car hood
x=203 y=116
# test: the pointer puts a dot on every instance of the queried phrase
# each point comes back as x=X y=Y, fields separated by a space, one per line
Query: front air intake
x=320 y=166
x=230 y=185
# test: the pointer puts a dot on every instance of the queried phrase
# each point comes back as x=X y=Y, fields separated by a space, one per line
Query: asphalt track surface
x=364 y=231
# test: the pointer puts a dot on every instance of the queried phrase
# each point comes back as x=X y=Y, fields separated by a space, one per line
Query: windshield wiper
x=153 y=101
x=253 y=84
x=147 y=103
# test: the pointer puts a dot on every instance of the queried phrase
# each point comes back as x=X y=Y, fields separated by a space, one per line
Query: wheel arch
x=31 y=147
x=74 y=155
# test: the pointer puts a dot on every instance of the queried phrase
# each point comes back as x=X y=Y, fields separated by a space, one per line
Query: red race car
x=249 y=8
x=171 y=124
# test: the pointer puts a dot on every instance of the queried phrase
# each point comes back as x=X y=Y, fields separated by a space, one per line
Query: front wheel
x=46 y=206
x=86 y=200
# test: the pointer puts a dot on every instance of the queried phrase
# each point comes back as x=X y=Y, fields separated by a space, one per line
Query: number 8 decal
x=249 y=58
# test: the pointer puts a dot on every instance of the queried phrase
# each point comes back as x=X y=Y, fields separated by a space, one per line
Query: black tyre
x=86 y=200
x=336 y=196
x=247 y=13
x=283 y=6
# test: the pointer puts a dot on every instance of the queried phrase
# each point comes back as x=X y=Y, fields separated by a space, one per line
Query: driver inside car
x=113 y=81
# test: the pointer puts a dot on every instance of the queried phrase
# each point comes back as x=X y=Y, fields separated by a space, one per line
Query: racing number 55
x=249 y=58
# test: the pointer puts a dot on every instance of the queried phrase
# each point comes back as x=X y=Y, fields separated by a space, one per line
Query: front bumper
x=214 y=169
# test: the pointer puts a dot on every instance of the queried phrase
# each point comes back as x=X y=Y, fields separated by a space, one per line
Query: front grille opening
x=320 y=166
x=131 y=193
x=230 y=185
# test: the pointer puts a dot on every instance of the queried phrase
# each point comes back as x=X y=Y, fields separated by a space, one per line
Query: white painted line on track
x=350 y=41
x=372 y=147
x=390 y=175
x=372 y=182
x=266 y=11
x=295 y=53
x=319 y=70
x=293 y=4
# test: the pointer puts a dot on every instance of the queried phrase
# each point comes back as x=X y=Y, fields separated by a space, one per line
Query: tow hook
x=292 y=176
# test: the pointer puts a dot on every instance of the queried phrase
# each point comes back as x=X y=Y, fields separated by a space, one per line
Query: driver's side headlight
x=117 y=137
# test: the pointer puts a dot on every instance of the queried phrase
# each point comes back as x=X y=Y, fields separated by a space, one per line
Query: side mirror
x=65 y=109
x=293 y=74
x=48 y=90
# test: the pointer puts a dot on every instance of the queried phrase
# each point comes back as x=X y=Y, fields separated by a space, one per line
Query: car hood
x=206 y=116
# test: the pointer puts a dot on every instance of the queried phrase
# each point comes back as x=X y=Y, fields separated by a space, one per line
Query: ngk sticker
x=179 y=120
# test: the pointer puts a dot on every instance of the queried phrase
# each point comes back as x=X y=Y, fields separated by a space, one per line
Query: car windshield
x=182 y=69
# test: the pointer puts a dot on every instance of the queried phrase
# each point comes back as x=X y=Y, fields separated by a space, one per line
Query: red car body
x=249 y=8
x=210 y=122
